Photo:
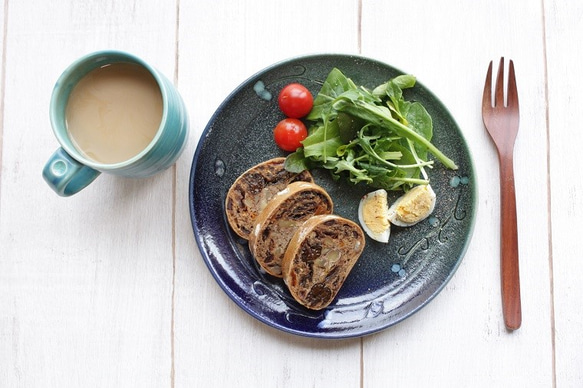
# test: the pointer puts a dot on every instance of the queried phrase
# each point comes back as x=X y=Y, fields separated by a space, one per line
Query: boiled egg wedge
x=413 y=206
x=373 y=215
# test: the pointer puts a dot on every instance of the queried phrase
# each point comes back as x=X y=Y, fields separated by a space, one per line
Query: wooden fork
x=501 y=120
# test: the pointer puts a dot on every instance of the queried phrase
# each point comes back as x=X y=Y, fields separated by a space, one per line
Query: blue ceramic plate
x=390 y=281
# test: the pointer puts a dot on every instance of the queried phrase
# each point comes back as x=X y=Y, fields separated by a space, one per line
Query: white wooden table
x=108 y=288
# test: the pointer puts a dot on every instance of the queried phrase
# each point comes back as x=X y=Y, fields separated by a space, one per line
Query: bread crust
x=279 y=220
x=319 y=257
x=253 y=189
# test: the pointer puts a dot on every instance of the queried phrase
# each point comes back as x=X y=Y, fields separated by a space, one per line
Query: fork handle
x=510 y=279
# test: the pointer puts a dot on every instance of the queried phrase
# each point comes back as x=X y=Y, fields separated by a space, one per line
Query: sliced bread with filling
x=319 y=257
x=253 y=189
x=278 y=221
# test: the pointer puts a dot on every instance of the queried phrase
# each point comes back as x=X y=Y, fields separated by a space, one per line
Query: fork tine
x=487 y=96
x=499 y=94
x=512 y=96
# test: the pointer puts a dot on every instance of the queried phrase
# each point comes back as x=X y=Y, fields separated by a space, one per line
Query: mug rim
x=109 y=57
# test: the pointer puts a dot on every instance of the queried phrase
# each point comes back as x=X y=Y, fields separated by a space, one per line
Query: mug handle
x=65 y=175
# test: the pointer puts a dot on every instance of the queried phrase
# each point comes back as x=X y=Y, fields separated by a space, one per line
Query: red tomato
x=295 y=101
x=289 y=133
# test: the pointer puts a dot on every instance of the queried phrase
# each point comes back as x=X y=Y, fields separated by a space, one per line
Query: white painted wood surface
x=108 y=289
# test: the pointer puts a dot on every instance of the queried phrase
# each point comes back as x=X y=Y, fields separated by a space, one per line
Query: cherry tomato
x=295 y=101
x=289 y=133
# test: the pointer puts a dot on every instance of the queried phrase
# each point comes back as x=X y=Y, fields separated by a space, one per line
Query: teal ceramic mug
x=72 y=168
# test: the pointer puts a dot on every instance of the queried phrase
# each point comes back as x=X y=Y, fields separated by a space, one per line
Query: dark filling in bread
x=254 y=182
x=319 y=294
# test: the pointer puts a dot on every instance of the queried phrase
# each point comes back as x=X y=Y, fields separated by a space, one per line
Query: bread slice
x=319 y=257
x=276 y=224
x=253 y=189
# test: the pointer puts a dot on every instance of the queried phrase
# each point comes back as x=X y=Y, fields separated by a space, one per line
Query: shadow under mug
x=68 y=170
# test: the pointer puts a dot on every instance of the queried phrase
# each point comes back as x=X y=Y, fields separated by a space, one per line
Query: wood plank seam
x=174 y=185
x=3 y=89
x=549 y=202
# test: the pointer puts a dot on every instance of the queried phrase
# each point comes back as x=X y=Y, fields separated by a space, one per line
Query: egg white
x=373 y=215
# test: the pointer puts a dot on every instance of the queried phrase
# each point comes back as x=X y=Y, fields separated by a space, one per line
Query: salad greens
x=376 y=137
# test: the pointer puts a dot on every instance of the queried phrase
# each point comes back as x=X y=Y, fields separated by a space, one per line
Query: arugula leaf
x=323 y=141
x=376 y=137
x=336 y=83
x=297 y=162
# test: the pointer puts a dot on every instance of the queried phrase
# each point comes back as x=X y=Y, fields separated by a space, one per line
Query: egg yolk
x=375 y=214
x=414 y=206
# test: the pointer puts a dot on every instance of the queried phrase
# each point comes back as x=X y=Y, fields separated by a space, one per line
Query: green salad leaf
x=376 y=137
